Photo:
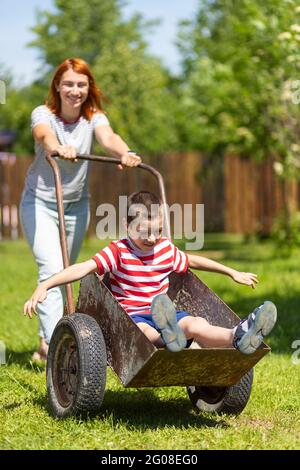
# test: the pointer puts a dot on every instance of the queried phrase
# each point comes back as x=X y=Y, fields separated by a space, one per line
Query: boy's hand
x=39 y=295
x=249 y=279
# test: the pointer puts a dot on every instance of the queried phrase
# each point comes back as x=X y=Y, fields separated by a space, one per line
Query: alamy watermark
x=188 y=222
x=2 y=353
x=296 y=355
x=2 y=92
x=295 y=88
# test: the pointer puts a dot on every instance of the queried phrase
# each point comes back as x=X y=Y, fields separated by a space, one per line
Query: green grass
x=159 y=418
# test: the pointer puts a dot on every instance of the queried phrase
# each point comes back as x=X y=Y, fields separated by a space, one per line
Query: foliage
x=15 y=114
x=287 y=238
x=241 y=63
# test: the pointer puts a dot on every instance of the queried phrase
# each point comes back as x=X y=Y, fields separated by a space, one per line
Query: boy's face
x=146 y=233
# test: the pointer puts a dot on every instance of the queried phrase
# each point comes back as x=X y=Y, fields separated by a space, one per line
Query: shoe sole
x=263 y=324
x=164 y=316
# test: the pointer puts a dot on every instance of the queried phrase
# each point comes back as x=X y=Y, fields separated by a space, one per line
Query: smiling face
x=146 y=233
x=73 y=89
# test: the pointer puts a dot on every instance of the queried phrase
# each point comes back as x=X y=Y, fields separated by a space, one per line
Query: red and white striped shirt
x=136 y=277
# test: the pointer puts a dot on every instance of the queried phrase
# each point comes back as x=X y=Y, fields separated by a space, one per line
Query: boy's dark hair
x=143 y=198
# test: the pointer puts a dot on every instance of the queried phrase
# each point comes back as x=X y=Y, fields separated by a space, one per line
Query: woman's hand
x=67 y=152
x=115 y=146
x=39 y=295
x=249 y=279
x=129 y=159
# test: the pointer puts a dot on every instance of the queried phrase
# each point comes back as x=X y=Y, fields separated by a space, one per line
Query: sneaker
x=164 y=317
x=250 y=332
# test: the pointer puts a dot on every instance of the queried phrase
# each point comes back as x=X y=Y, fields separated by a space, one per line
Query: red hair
x=93 y=102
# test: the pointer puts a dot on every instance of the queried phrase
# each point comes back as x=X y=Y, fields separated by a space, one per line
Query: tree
x=15 y=113
x=140 y=103
x=241 y=63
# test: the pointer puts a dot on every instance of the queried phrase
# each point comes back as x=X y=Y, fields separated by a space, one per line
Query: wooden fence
x=253 y=196
x=239 y=195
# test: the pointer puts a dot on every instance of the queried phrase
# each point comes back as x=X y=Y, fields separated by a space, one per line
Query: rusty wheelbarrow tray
x=218 y=379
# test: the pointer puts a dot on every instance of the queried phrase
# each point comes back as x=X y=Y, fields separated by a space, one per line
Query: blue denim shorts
x=147 y=318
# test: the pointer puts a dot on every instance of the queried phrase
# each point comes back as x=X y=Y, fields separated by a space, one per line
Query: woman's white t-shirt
x=74 y=176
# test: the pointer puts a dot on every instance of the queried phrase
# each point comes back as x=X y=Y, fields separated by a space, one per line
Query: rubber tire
x=80 y=334
x=229 y=400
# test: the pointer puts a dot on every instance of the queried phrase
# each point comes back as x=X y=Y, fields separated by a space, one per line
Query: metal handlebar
x=60 y=207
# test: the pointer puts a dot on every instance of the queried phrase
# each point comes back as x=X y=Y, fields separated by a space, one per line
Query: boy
x=139 y=266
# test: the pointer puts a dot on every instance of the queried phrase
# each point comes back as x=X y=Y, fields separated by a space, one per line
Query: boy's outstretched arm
x=70 y=274
x=205 y=264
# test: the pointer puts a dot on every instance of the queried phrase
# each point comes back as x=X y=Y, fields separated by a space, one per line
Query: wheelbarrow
x=98 y=332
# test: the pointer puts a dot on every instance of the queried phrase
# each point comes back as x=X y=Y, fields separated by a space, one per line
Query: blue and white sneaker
x=164 y=317
x=250 y=332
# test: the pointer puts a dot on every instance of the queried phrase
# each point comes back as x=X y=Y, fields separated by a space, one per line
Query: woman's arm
x=70 y=274
x=43 y=134
x=115 y=146
x=205 y=264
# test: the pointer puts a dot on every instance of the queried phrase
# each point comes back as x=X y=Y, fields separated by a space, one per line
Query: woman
x=65 y=125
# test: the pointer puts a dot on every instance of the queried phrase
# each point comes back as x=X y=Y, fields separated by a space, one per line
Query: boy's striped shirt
x=136 y=277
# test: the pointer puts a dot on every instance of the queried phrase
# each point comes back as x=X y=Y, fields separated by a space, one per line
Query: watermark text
x=296 y=355
x=2 y=353
x=187 y=222
x=2 y=92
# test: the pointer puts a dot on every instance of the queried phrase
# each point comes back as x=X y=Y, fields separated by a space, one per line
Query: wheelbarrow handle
x=145 y=167
x=60 y=207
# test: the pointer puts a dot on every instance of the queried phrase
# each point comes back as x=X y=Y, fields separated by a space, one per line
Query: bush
x=287 y=236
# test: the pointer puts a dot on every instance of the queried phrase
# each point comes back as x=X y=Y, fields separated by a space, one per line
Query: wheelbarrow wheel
x=229 y=400
x=76 y=367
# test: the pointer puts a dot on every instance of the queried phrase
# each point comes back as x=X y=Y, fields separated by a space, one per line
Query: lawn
x=160 y=418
